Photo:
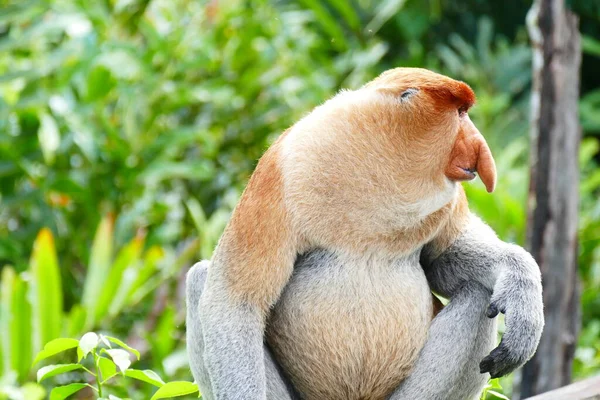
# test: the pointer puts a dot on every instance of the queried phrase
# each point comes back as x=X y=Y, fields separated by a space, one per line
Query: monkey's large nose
x=471 y=154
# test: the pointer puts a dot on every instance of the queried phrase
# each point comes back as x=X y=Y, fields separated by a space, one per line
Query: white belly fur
x=350 y=329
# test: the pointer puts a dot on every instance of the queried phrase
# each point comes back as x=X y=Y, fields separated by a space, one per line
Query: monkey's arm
x=469 y=250
x=250 y=267
x=459 y=336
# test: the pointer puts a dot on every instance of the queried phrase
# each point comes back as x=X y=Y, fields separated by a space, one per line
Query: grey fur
x=459 y=336
x=229 y=352
x=230 y=360
x=514 y=278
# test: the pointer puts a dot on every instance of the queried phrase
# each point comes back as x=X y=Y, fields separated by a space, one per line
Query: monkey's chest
x=350 y=329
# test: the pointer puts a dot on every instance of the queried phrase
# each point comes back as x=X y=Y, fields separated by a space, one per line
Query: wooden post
x=553 y=191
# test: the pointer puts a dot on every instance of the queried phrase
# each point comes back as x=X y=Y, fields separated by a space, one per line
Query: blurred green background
x=128 y=129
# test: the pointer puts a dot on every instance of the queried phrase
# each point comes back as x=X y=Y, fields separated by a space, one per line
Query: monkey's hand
x=475 y=253
x=518 y=295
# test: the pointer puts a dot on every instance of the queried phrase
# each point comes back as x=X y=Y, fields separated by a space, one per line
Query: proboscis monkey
x=321 y=285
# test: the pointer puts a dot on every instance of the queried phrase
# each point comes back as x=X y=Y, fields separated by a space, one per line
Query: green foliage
x=31 y=311
x=493 y=390
x=46 y=290
x=103 y=365
x=15 y=323
x=590 y=102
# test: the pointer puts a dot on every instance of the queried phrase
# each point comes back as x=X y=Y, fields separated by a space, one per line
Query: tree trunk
x=553 y=191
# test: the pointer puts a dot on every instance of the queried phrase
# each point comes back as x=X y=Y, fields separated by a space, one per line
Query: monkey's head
x=434 y=101
x=387 y=155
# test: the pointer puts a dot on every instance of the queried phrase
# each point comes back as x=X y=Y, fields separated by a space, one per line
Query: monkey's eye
x=408 y=93
x=462 y=111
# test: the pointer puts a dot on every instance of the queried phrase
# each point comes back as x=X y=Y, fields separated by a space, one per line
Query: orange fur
x=446 y=91
x=471 y=153
x=358 y=171
x=259 y=245
x=359 y=157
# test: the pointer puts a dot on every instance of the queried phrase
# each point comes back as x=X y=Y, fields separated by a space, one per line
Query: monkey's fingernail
x=486 y=365
x=492 y=311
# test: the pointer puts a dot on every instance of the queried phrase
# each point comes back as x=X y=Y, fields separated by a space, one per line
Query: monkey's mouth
x=471 y=172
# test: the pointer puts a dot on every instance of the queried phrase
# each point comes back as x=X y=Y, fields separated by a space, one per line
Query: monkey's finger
x=486 y=364
x=498 y=362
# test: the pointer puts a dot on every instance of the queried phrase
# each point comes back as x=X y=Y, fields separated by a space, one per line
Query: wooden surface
x=588 y=389
x=553 y=192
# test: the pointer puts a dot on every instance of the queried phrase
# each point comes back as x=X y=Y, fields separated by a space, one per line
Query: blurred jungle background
x=128 y=129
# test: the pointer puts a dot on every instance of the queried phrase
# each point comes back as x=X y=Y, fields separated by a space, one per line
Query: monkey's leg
x=459 y=337
x=277 y=386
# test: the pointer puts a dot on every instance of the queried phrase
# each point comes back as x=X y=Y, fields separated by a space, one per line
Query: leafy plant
x=493 y=390
x=103 y=359
x=31 y=303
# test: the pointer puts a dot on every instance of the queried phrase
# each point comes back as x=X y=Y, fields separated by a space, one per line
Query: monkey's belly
x=348 y=329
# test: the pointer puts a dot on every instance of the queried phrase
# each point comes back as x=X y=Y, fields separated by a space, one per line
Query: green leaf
x=162 y=341
x=33 y=391
x=15 y=320
x=108 y=369
x=121 y=63
x=123 y=345
x=328 y=23
x=46 y=294
x=54 y=347
x=120 y=298
x=587 y=150
x=56 y=369
x=345 y=8
x=98 y=268
x=7 y=346
x=120 y=357
x=129 y=256
x=145 y=271
x=175 y=389
x=87 y=343
x=498 y=395
x=495 y=384
x=49 y=137
x=590 y=45
x=197 y=213
x=146 y=375
x=62 y=392
x=99 y=83
x=385 y=10
x=160 y=170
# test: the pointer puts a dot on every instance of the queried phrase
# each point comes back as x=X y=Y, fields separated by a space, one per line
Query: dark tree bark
x=553 y=191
